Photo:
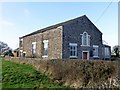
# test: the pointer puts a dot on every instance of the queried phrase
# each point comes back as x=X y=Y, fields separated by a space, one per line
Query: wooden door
x=85 y=55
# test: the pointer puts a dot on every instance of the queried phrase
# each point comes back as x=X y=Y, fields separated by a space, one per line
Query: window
x=33 y=48
x=45 y=50
x=85 y=39
x=88 y=39
x=73 y=50
x=95 y=51
x=24 y=53
x=107 y=51
x=21 y=53
x=21 y=42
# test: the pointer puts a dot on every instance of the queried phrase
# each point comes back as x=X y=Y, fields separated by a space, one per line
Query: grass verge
x=24 y=76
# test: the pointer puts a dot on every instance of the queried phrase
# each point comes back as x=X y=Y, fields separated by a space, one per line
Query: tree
x=3 y=47
x=116 y=50
x=8 y=53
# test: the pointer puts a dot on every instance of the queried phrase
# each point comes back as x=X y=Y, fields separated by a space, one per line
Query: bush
x=8 y=53
x=76 y=73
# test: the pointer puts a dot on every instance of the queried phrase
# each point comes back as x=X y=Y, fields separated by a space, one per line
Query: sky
x=21 y=18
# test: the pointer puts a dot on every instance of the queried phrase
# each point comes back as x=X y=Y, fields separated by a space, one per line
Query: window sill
x=107 y=55
x=95 y=56
x=73 y=57
x=44 y=56
x=86 y=45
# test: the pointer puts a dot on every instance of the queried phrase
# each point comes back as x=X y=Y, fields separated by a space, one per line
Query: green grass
x=24 y=76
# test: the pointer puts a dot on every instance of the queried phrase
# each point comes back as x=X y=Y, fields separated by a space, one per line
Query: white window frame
x=24 y=52
x=74 y=45
x=45 y=42
x=96 y=47
x=21 y=50
x=87 y=39
x=107 y=53
x=21 y=40
x=33 y=48
x=21 y=53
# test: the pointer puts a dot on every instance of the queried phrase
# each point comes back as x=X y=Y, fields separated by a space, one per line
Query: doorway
x=85 y=55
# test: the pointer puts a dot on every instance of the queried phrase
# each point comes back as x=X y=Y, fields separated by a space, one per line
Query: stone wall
x=54 y=38
x=72 y=34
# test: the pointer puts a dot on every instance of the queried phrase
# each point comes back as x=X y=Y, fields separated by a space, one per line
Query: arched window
x=85 y=39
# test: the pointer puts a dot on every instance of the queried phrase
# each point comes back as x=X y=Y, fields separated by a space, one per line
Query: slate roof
x=55 y=26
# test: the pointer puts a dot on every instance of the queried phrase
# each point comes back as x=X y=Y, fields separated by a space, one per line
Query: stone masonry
x=60 y=35
x=54 y=37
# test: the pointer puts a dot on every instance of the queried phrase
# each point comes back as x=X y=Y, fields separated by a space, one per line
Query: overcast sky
x=18 y=19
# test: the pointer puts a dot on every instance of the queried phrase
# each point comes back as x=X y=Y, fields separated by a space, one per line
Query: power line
x=104 y=42
x=104 y=11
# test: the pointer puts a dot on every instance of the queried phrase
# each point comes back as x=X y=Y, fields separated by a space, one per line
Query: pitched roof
x=55 y=26
x=106 y=45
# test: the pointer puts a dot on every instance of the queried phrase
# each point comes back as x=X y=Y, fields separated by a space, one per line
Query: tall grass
x=24 y=76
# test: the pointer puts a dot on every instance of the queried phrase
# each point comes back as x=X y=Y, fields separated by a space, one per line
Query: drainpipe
x=104 y=51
